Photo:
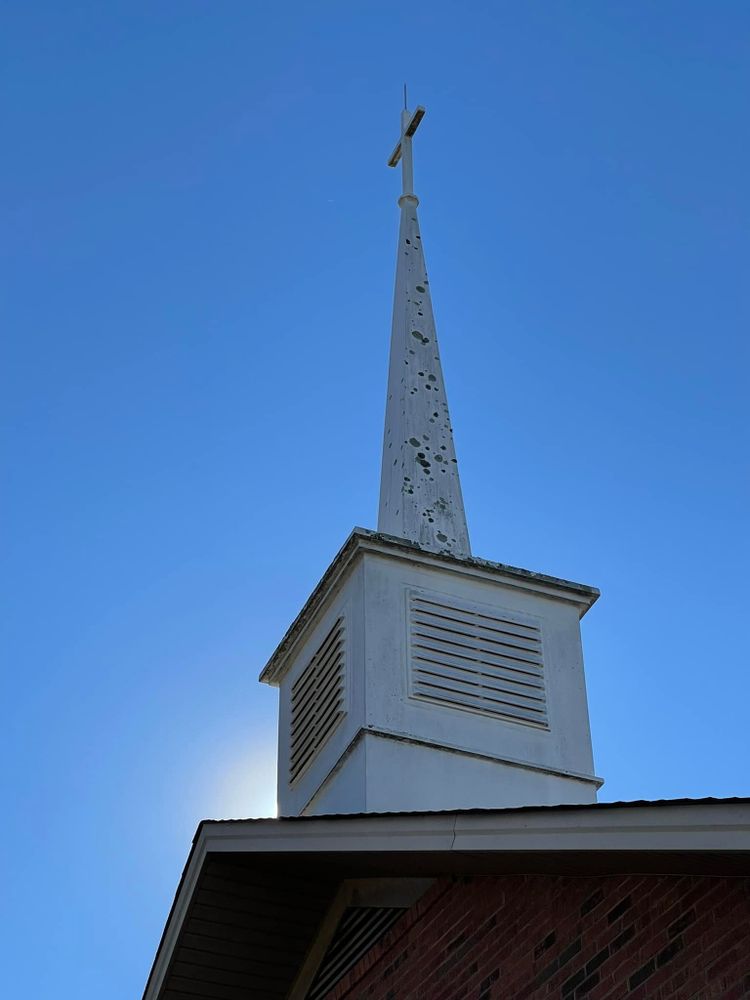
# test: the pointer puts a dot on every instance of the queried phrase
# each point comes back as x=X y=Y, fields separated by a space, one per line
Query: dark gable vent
x=317 y=700
x=477 y=658
x=359 y=929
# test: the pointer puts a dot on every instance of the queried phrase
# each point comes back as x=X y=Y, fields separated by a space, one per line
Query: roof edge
x=672 y=829
x=708 y=800
x=667 y=826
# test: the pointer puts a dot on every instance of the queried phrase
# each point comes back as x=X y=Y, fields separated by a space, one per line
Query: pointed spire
x=420 y=492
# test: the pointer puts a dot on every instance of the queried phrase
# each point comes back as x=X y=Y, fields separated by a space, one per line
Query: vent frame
x=318 y=699
x=457 y=669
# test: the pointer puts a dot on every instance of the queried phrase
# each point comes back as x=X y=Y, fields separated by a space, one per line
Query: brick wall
x=533 y=936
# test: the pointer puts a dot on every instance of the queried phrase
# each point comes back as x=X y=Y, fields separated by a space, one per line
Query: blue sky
x=197 y=257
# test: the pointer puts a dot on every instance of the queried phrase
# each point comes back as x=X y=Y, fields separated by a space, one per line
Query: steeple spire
x=420 y=492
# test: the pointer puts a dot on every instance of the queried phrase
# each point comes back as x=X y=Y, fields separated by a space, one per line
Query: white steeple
x=420 y=492
x=418 y=676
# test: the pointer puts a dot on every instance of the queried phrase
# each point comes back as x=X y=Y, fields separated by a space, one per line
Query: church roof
x=476 y=811
x=254 y=893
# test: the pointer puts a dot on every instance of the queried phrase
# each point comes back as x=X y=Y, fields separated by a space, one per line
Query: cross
x=409 y=124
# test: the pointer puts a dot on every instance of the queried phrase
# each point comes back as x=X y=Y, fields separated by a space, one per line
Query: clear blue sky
x=198 y=245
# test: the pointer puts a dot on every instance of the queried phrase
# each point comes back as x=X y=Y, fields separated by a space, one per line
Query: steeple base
x=384 y=772
x=418 y=680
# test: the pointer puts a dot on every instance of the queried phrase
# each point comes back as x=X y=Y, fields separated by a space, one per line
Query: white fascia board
x=341 y=834
x=175 y=920
x=715 y=827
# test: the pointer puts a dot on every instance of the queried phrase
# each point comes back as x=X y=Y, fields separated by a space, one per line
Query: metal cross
x=409 y=124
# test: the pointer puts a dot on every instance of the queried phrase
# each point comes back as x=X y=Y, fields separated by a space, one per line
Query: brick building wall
x=533 y=936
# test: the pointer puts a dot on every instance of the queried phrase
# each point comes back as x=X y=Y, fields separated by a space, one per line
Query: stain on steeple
x=420 y=491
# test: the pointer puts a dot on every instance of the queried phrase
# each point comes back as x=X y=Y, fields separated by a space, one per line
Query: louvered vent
x=317 y=700
x=481 y=660
x=360 y=928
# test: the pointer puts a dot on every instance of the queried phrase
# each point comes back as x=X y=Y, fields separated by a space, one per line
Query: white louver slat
x=317 y=700
x=477 y=659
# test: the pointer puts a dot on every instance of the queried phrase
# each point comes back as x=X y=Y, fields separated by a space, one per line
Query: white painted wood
x=464 y=682
x=722 y=826
x=396 y=749
x=420 y=491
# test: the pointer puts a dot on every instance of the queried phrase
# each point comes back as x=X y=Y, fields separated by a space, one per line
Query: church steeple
x=420 y=492
x=417 y=677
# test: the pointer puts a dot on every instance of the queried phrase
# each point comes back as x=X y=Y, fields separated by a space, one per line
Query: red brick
x=505 y=920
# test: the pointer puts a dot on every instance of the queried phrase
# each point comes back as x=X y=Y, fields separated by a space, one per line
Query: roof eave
x=642 y=836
